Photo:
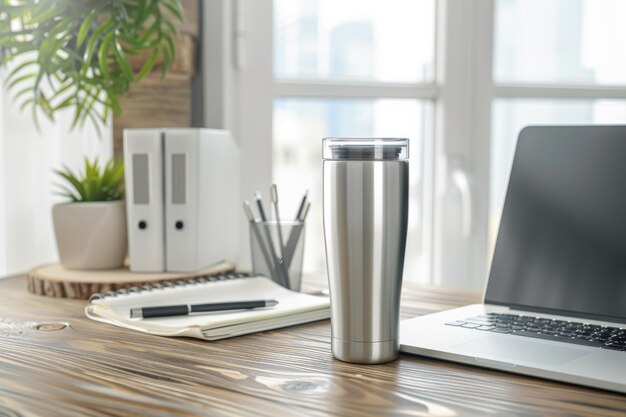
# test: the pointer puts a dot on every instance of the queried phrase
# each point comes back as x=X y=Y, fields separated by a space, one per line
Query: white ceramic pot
x=91 y=235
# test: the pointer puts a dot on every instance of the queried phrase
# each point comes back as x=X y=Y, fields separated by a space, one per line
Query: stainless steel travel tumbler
x=365 y=226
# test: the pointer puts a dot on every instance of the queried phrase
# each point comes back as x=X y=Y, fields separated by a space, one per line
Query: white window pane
x=300 y=125
x=511 y=115
x=390 y=40
x=569 y=41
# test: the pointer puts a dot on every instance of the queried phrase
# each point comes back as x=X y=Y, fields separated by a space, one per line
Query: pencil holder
x=277 y=251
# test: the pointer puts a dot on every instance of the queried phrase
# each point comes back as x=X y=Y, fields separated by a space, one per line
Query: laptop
x=555 y=301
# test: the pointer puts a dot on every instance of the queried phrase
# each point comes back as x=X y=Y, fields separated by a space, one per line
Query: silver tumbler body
x=365 y=227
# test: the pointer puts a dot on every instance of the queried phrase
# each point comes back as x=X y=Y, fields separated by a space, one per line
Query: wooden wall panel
x=185 y=57
x=156 y=102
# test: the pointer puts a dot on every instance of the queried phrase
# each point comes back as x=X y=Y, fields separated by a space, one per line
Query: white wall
x=27 y=158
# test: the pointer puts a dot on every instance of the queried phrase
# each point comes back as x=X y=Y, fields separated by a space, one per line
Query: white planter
x=91 y=235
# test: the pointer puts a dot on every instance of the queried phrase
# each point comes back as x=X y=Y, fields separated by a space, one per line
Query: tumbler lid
x=365 y=149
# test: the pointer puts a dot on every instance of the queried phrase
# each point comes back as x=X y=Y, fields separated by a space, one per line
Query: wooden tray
x=55 y=281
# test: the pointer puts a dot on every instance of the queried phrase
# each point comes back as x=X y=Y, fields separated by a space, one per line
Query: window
x=339 y=72
x=560 y=41
x=459 y=78
x=299 y=125
x=354 y=40
x=555 y=62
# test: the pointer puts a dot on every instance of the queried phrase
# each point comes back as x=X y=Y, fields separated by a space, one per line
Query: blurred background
x=550 y=64
x=458 y=78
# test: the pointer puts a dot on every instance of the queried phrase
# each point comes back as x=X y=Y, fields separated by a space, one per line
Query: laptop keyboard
x=613 y=338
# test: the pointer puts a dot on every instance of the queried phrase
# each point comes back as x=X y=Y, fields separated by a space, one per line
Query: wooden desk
x=96 y=369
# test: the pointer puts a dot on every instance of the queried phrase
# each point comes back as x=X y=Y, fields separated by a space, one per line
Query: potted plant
x=83 y=54
x=90 y=229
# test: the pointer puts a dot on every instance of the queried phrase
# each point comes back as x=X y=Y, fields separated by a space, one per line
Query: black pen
x=186 y=309
x=302 y=205
x=279 y=267
x=253 y=224
x=292 y=242
x=274 y=194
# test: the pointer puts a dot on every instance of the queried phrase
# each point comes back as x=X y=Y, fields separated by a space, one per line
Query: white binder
x=143 y=160
x=201 y=198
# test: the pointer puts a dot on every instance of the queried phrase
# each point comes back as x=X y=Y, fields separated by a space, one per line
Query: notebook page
x=289 y=303
x=263 y=325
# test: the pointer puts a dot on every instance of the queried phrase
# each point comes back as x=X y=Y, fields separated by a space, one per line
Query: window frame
x=302 y=88
x=239 y=89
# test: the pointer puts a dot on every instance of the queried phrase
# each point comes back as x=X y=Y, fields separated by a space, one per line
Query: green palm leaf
x=83 y=49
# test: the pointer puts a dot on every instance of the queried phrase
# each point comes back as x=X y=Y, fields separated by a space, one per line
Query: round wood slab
x=55 y=281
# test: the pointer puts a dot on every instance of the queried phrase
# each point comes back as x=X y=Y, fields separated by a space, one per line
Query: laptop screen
x=562 y=241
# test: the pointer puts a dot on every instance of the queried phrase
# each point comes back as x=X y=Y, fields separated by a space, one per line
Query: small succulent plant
x=95 y=183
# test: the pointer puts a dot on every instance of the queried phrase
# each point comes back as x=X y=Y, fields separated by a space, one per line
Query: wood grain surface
x=94 y=369
x=155 y=102
x=53 y=280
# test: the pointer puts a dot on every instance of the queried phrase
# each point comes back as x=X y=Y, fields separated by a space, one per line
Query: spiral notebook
x=292 y=308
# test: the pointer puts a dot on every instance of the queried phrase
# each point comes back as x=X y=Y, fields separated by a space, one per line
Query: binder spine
x=143 y=159
x=181 y=211
x=170 y=284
